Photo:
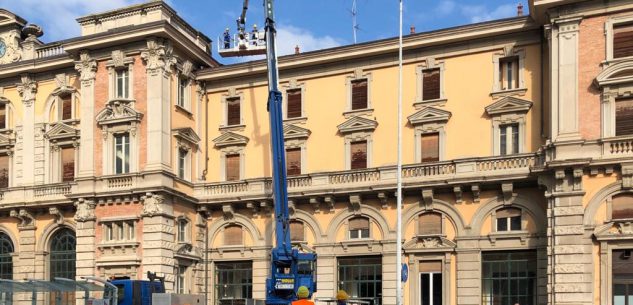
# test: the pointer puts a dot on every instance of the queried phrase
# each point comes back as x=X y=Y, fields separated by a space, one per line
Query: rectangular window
x=122 y=83
x=361 y=278
x=358 y=151
x=122 y=153
x=119 y=231
x=622 y=206
x=358 y=228
x=430 y=282
x=4 y=171
x=3 y=116
x=430 y=147
x=508 y=139
x=182 y=87
x=431 y=84
x=624 y=116
x=359 y=94
x=622 y=40
x=297 y=231
x=182 y=230
x=182 y=162
x=68 y=164
x=508 y=219
x=509 y=277
x=622 y=273
x=66 y=101
x=509 y=73
x=294 y=103
x=181 y=273
x=233 y=235
x=233 y=112
x=232 y=167
x=130 y=230
x=233 y=282
x=430 y=223
x=108 y=232
x=293 y=161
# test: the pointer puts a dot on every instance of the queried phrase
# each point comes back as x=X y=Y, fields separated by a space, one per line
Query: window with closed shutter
x=232 y=167
x=359 y=94
x=294 y=103
x=4 y=171
x=430 y=223
x=297 y=231
x=622 y=40
x=68 y=164
x=431 y=84
x=430 y=149
x=3 y=116
x=622 y=206
x=293 y=161
x=233 y=112
x=358 y=152
x=66 y=106
x=232 y=235
x=624 y=117
x=358 y=228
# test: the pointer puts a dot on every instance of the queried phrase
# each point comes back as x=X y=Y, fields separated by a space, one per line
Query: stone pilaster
x=158 y=237
x=26 y=256
x=159 y=60
x=326 y=268
x=468 y=276
x=260 y=273
x=389 y=278
x=87 y=67
x=38 y=146
x=86 y=242
x=27 y=87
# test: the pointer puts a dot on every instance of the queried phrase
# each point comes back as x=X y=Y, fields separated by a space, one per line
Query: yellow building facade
x=130 y=149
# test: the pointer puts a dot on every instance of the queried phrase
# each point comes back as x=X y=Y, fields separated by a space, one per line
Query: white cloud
x=480 y=13
x=289 y=36
x=445 y=7
x=57 y=17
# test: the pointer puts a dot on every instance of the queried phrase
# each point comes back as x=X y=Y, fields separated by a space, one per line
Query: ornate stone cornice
x=152 y=204
x=27 y=221
x=158 y=56
x=85 y=210
x=59 y=217
x=86 y=66
x=27 y=87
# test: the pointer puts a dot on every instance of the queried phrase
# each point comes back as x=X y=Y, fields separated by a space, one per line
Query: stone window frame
x=357 y=137
x=232 y=94
x=186 y=139
x=228 y=224
x=9 y=112
x=124 y=221
x=305 y=231
x=428 y=128
x=371 y=230
x=108 y=153
x=508 y=119
x=417 y=224
x=188 y=229
x=300 y=144
x=609 y=206
x=493 y=221
x=185 y=277
x=120 y=61
x=184 y=72
x=54 y=158
x=294 y=85
x=609 y=24
x=612 y=91
x=358 y=74
x=606 y=266
x=442 y=256
x=508 y=51
x=232 y=150
x=429 y=64
x=57 y=103
x=6 y=149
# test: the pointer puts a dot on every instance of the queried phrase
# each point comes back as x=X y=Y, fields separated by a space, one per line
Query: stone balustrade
x=28 y=194
x=50 y=50
x=617 y=147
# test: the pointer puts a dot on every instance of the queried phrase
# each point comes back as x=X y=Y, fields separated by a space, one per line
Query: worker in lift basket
x=303 y=295
x=341 y=297
x=254 y=35
x=227 y=39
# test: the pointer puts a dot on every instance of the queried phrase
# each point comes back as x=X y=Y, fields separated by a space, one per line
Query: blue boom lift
x=290 y=268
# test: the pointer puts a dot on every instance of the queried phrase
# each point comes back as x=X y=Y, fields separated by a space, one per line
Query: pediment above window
x=295 y=132
x=118 y=112
x=357 y=123
x=61 y=131
x=618 y=73
x=187 y=134
x=616 y=230
x=187 y=251
x=429 y=243
x=508 y=105
x=429 y=115
x=7 y=139
x=230 y=139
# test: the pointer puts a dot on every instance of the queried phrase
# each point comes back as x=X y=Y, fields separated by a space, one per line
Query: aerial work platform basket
x=242 y=44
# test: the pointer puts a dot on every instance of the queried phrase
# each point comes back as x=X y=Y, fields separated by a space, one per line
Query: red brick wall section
x=101 y=97
x=140 y=95
x=591 y=52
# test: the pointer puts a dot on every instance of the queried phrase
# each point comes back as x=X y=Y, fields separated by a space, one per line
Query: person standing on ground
x=303 y=297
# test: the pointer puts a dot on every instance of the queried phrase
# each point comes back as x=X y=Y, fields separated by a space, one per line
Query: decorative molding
x=429 y=115
x=230 y=139
x=429 y=242
x=295 y=132
x=188 y=135
x=119 y=60
x=577 y=173
x=427 y=198
x=61 y=131
x=292 y=206
x=152 y=204
x=507 y=192
x=616 y=74
x=458 y=193
x=27 y=87
x=84 y=210
x=315 y=202
x=384 y=200
x=355 y=202
x=476 y=192
x=228 y=211
x=86 y=66
x=116 y=112
x=627 y=175
x=158 y=56
x=330 y=201
x=508 y=104
x=356 y=124
x=59 y=218
x=27 y=221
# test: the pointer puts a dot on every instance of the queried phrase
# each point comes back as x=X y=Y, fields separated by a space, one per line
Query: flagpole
x=399 y=174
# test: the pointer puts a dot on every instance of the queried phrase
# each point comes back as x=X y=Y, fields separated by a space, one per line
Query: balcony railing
x=618 y=147
x=413 y=174
x=44 y=192
x=50 y=50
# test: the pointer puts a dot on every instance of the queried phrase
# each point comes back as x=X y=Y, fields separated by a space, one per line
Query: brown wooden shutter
x=430 y=266
x=359 y=94
x=431 y=84
x=359 y=154
x=622 y=206
x=68 y=164
x=359 y=223
x=297 y=231
x=430 y=147
x=4 y=171
x=67 y=106
x=294 y=104
x=3 y=116
x=232 y=167
x=233 y=112
x=232 y=235
x=430 y=223
x=508 y=213
x=293 y=161
x=624 y=117
x=622 y=40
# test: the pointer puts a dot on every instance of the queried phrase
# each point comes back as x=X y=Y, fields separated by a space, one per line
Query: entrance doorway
x=431 y=283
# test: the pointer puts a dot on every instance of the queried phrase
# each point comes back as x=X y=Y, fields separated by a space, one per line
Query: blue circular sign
x=404 y=276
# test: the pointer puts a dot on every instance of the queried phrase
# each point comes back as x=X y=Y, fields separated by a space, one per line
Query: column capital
x=87 y=68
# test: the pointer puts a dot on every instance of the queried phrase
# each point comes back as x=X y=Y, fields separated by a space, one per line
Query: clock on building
x=3 y=48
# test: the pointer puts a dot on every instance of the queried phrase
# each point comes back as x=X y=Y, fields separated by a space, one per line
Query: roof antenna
x=354 y=24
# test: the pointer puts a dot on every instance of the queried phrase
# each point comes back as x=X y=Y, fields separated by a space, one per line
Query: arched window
x=297 y=231
x=508 y=219
x=63 y=254
x=622 y=206
x=233 y=235
x=430 y=223
x=358 y=228
x=6 y=262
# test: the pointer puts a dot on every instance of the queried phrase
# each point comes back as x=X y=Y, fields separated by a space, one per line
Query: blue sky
x=310 y=24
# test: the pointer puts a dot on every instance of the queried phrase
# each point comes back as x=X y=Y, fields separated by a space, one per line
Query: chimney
x=520 y=9
x=297 y=50
x=412 y=29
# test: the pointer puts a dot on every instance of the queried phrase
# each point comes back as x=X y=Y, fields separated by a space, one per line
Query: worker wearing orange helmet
x=341 y=297
x=303 y=297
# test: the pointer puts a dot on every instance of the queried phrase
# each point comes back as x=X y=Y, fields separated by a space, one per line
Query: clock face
x=3 y=48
